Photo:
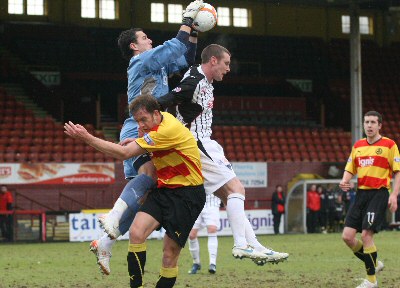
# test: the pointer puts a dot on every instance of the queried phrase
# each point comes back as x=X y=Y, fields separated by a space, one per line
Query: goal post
x=296 y=203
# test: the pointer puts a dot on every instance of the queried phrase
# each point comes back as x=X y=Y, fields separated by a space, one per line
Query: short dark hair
x=374 y=113
x=213 y=50
x=146 y=101
x=124 y=41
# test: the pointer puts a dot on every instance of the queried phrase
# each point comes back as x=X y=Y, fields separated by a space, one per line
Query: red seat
x=9 y=157
x=45 y=157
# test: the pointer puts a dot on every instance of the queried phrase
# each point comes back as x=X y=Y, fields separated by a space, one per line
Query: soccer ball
x=206 y=19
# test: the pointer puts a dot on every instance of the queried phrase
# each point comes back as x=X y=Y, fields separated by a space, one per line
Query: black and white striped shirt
x=193 y=100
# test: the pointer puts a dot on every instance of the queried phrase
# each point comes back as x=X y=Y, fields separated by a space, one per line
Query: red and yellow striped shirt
x=174 y=153
x=374 y=163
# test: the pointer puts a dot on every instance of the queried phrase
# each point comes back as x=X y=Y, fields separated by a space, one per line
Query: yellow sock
x=169 y=272
x=358 y=246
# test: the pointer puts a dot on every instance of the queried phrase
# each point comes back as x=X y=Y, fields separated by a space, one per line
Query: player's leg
x=194 y=246
x=178 y=212
x=212 y=245
x=169 y=269
x=113 y=223
x=103 y=246
x=141 y=228
x=271 y=255
x=130 y=198
x=220 y=177
x=232 y=193
x=211 y=218
x=373 y=220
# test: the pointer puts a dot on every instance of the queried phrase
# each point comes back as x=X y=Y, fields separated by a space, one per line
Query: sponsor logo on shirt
x=148 y=139
x=177 y=89
x=366 y=162
x=396 y=159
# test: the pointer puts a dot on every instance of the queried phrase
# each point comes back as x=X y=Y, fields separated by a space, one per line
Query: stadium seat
x=45 y=157
x=9 y=157
x=67 y=157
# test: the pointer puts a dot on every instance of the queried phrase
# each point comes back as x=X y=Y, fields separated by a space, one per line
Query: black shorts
x=176 y=209
x=368 y=211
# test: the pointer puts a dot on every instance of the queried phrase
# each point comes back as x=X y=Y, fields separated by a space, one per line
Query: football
x=206 y=19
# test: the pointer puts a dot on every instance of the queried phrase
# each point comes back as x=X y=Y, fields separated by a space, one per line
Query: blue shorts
x=130 y=130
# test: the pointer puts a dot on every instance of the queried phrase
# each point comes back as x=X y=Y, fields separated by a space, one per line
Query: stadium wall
x=77 y=197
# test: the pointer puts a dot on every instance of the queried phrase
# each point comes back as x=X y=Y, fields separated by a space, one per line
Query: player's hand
x=392 y=203
x=191 y=12
x=127 y=141
x=76 y=131
x=345 y=186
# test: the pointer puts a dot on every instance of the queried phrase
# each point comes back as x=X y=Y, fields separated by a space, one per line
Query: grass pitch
x=319 y=260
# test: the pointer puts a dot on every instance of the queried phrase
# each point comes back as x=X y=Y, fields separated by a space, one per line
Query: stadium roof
x=365 y=4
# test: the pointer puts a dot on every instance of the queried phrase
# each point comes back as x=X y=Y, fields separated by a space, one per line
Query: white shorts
x=216 y=169
x=209 y=216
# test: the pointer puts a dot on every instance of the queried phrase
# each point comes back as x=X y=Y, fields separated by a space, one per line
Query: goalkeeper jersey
x=174 y=153
x=148 y=72
x=374 y=163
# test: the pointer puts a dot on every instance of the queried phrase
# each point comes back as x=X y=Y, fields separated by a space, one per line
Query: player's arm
x=79 y=132
x=395 y=192
x=172 y=52
x=182 y=93
x=190 y=54
x=345 y=182
x=394 y=156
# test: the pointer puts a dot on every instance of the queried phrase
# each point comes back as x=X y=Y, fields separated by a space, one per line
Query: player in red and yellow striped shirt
x=374 y=160
x=180 y=195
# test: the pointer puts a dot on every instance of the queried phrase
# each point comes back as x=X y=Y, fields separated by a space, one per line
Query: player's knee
x=170 y=257
x=235 y=186
x=193 y=235
x=148 y=169
x=211 y=229
x=136 y=236
x=366 y=236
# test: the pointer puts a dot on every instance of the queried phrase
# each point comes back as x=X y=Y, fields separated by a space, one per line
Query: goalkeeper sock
x=106 y=242
x=133 y=192
x=136 y=261
x=167 y=277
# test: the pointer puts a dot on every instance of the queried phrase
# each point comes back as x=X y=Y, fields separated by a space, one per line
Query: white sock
x=212 y=247
x=236 y=217
x=119 y=208
x=106 y=242
x=251 y=236
x=194 y=249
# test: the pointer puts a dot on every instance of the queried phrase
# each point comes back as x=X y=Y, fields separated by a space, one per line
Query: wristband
x=194 y=33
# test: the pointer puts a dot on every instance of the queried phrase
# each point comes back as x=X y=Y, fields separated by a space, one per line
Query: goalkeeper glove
x=191 y=11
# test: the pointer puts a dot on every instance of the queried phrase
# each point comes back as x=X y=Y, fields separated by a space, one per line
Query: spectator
x=330 y=206
x=278 y=206
x=349 y=197
x=6 y=204
x=323 y=213
x=339 y=214
x=313 y=208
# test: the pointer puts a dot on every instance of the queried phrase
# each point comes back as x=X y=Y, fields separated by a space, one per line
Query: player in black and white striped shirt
x=193 y=100
x=209 y=218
